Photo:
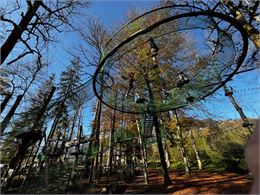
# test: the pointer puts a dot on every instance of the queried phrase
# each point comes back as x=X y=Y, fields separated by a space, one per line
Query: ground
x=200 y=182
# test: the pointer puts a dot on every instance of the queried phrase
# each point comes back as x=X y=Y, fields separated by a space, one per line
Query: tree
x=189 y=124
x=29 y=119
x=183 y=150
x=246 y=14
x=38 y=21
x=94 y=35
x=29 y=137
x=36 y=101
x=5 y=85
x=68 y=88
x=26 y=75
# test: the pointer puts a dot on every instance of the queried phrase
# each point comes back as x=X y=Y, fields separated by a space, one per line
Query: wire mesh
x=197 y=43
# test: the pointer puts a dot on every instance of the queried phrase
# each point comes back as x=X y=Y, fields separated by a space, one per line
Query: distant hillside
x=234 y=123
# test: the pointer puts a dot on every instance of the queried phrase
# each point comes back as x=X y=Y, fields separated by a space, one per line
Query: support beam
x=246 y=122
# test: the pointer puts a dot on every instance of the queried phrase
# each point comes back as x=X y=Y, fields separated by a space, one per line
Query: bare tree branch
x=35 y=21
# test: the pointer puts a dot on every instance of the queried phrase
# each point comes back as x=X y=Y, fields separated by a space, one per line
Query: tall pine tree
x=68 y=91
x=24 y=122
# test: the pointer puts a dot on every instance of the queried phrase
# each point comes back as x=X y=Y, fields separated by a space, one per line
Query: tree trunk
x=144 y=155
x=182 y=148
x=56 y=120
x=37 y=120
x=19 y=98
x=73 y=123
x=59 y=112
x=5 y=101
x=195 y=150
x=95 y=141
x=101 y=149
x=97 y=131
x=10 y=114
x=167 y=179
x=89 y=152
x=33 y=159
x=92 y=171
x=53 y=127
x=167 y=155
x=35 y=153
x=111 y=142
x=251 y=31
x=54 y=150
x=79 y=136
x=78 y=144
x=38 y=147
x=18 y=30
x=43 y=109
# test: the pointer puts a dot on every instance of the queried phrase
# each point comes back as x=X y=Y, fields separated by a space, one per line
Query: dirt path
x=198 y=183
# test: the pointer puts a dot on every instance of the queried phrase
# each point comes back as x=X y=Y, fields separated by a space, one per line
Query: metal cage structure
x=192 y=54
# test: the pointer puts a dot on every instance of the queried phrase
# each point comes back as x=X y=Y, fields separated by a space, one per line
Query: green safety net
x=192 y=45
x=127 y=137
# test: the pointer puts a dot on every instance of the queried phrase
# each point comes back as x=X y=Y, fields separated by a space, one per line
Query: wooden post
x=38 y=147
x=88 y=162
x=246 y=123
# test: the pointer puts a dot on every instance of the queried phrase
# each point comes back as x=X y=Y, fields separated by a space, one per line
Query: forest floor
x=200 y=182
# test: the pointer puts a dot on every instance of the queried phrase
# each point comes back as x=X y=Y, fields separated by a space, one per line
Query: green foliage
x=8 y=150
x=70 y=96
x=26 y=119
x=220 y=145
x=70 y=80
x=232 y=154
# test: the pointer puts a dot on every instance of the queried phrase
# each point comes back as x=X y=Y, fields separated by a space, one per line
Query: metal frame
x=221 y=16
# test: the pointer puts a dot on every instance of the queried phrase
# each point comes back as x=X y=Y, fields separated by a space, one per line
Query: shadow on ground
x=198 y=183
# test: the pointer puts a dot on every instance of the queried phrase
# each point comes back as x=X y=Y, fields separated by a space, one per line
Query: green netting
x=123 y=136
x=194 y=42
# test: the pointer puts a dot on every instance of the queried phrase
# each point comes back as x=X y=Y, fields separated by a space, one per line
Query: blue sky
x=111 y=12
